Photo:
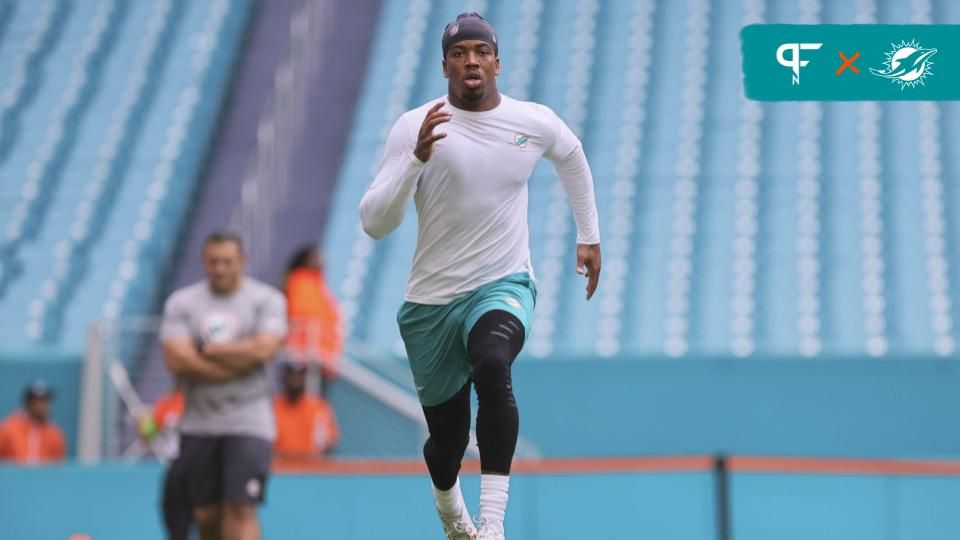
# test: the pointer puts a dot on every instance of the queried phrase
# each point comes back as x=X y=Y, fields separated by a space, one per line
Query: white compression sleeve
x=386 y=200
x=577 y=180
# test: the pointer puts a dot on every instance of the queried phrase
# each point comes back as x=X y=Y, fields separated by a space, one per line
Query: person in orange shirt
x=306 y=425
x=316 y=331
x=29 y=436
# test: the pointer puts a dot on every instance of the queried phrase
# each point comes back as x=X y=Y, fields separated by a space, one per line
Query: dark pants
x=493 y=344
x=177 y=512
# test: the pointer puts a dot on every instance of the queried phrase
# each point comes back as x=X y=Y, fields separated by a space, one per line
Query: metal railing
x=123 y=372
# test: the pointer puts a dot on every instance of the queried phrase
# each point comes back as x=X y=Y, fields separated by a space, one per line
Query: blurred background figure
x=316 y=331
x=219 y=334
x=306 y=424
x=162 y=426
x=28 y=436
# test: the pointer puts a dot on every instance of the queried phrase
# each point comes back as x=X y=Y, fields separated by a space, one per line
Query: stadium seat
x=729 y=227
x=105 y=122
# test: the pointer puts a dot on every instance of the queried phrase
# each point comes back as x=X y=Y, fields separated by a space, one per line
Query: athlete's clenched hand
x=427 y=137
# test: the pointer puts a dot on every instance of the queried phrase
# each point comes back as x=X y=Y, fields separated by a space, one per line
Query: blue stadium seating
x=104 y=122
x=730 y=227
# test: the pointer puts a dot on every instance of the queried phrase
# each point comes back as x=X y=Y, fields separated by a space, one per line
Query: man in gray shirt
x=218 y=335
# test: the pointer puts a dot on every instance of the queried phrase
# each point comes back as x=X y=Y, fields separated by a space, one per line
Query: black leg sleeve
x=449 y=425
x=493 y=345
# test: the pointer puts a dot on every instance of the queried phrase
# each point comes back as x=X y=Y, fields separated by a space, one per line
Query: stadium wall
x=859 y=407
x=120 y=502
x=903 y=407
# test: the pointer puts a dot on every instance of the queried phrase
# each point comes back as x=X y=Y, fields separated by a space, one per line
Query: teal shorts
x=436 y=336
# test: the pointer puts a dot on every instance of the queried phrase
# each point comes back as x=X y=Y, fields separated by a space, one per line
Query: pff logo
x=794 y=62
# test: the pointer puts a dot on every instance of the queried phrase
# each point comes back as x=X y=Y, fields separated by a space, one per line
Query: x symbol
x=848 y=62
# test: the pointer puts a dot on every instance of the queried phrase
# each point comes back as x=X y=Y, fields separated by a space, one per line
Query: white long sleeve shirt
x=471 y=196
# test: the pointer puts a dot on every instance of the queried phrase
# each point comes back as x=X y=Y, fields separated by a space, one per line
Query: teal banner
x=871 y=62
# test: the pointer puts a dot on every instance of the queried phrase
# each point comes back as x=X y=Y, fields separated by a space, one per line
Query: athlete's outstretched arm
x=577 y=180
x=383 y=205
x=566 y=153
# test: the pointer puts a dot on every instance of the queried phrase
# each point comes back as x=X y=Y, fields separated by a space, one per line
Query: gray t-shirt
x=242 y=406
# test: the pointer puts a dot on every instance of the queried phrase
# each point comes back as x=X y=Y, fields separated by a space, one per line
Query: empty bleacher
x=729 y=227
x=106 y=115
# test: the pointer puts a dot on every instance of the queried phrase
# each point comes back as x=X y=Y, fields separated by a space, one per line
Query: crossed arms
x=219 y=362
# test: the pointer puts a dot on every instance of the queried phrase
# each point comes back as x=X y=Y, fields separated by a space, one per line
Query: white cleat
x=488 y=529
x=460 y=527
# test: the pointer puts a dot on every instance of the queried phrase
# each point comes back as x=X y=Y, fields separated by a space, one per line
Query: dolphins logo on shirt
x=908 y=64
x=219 y=327
x=520 y=140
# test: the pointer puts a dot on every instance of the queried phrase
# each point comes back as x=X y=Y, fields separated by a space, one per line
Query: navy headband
x=469 y=26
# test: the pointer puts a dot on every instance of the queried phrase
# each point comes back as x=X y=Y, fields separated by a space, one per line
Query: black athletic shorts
x=219 y=469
